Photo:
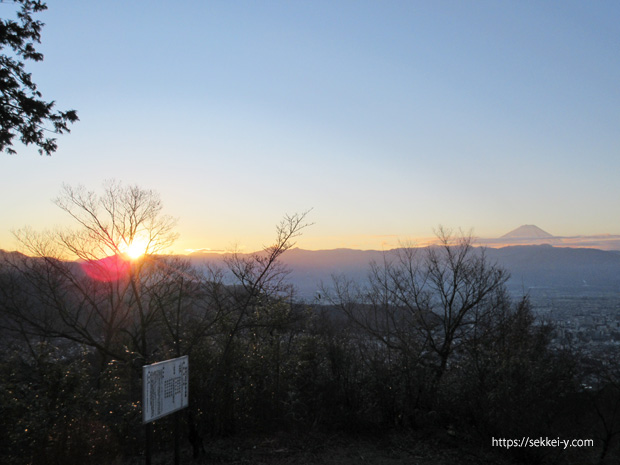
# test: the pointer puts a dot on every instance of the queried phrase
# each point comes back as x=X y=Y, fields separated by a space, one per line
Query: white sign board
x=165 y=388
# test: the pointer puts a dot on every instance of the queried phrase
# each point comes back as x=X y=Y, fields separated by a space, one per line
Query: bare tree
x=123 y=218
x=254 y=301
x=425 y=302
x=260 y=277
x=93 y=284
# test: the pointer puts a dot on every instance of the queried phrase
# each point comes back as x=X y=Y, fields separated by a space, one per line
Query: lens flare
x=107 y=269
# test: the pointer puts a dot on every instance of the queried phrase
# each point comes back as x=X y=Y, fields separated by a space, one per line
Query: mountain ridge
x=569 y=270
x=573 y=270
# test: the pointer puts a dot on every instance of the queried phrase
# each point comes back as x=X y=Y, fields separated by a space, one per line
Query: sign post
x=165 y=389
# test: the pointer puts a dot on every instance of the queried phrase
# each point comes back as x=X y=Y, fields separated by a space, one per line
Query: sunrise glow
x=135 y=249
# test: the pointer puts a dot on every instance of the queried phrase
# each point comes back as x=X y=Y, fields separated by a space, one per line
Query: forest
x=432 y=343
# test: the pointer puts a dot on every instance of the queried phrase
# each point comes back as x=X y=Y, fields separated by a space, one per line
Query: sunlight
x=135 y=249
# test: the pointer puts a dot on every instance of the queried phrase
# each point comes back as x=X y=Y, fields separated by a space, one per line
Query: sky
x=387 y=119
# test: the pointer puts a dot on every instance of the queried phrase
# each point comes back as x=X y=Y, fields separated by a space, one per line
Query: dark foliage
x=22 y=109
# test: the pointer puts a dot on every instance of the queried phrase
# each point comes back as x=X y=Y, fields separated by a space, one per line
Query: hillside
x=572 y=270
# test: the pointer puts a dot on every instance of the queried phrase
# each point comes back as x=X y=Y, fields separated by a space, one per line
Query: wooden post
x=148 y=430
x=177 y=439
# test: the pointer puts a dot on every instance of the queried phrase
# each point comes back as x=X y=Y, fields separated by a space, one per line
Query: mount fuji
x=527 y=231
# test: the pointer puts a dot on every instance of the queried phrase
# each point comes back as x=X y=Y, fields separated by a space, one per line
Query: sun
x=135 y=249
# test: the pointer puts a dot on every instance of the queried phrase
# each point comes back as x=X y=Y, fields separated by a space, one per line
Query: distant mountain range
x=534 y=258
x=565 y=270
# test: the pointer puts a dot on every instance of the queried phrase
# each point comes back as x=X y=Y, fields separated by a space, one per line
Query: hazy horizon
x=605 y=242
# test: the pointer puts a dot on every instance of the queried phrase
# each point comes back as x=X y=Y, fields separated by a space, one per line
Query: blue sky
x=386 y=118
